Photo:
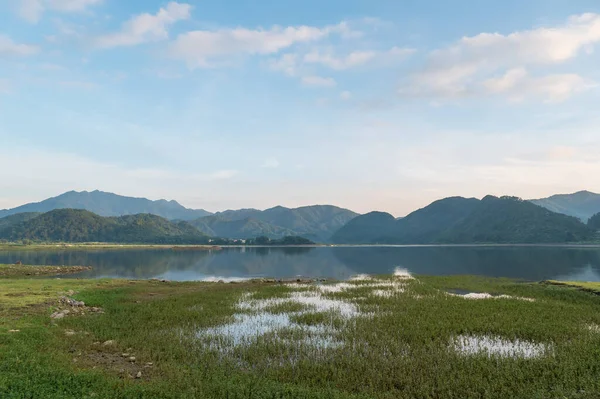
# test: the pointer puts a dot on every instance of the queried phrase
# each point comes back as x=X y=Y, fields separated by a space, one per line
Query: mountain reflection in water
x=530 y=263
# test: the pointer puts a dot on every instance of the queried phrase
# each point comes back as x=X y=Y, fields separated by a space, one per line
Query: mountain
x=216 y=226
x=593 y=223
x=109 y=204
x=12 y=220
x=76 y=225
x=459 y=220
x=316 y=222
x=582 y=205
x=373 y=227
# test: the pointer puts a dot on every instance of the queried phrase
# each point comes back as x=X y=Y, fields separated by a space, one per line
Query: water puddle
x=471 y=345
x=484 y=295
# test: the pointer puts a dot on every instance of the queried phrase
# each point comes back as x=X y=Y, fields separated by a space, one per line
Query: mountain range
x=317 y=222
x=458 y=220
x=100 y=216
x=109 y=204
x=77 y=225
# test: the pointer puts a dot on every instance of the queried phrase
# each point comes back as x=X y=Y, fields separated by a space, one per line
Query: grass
x=335 y=342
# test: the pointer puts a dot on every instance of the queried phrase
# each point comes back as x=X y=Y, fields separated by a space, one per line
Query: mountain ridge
x=78 y=225
x=109 y=204
x=458 y=220
x=581 y=204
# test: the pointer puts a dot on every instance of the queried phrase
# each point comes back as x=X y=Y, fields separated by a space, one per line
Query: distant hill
x=76 y=225
x=12 y=220
x=459 y=220
x=582 y=205
x=216 y=226
x=373 y=227
x=593 y=223
x=316 y=222
x=109 y=204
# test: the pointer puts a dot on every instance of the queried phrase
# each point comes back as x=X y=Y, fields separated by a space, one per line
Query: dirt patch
x=125 y=365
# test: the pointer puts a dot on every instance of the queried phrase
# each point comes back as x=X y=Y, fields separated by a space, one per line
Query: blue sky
x=383 y=105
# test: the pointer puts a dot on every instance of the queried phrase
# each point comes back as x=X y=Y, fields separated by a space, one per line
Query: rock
x=138 y=375
x=110 y=342
x=125 y=355
x=132 y=359
x=57 y=315
x=72 y=302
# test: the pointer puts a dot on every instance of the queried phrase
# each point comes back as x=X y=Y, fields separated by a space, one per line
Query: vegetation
x=460 y=221
x=582 y=204
x=316 y=223
x=108 y=204
x=384 y=338
x=289 y=240
x=238 y=229
x=594 y=222
x=73 y=225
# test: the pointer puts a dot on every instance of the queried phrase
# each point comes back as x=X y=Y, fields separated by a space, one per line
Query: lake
x=530 y=263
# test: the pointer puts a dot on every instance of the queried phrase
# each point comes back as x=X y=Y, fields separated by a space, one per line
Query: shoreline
x=183 y=247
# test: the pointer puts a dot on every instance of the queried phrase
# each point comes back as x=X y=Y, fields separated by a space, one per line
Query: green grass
x=398 y=347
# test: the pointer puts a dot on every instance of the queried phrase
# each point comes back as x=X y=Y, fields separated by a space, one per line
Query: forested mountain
x=373 y=227
x=316 y=222
x=240 y=229
x=582 y=205
x=459 y=220
x=76 y=225
x=593 y=223
x=12 y=220
x=109 y=204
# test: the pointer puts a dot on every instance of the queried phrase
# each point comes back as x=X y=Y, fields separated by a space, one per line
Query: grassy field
x=373 y=337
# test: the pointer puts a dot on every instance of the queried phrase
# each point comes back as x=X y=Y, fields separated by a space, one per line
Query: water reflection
x=531 y=263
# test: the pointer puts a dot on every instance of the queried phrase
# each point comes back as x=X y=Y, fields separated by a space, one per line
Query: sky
x=370 y=105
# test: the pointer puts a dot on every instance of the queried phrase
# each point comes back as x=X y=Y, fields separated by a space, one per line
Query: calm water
x=531 y=263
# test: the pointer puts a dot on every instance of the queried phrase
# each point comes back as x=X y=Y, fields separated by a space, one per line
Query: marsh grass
x=341 y=342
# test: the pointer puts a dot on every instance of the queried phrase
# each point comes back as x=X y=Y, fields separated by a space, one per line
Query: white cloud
x=345 y=95
x=357 y=58
x=517 y=84
x=199 y=48
x=32 y=10
x=351 y=60
x=271 y=163
x=318 y=81
x=287 y=64
x=457 y=70
x=146 y=27
x=10 y=48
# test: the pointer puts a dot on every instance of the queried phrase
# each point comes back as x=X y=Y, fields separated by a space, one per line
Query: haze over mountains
x=109 y=204
x=112 y=218
x=582 y=205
